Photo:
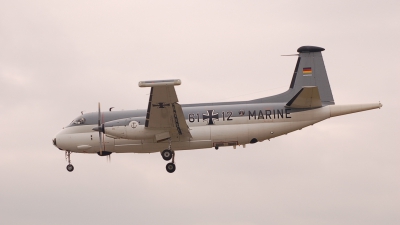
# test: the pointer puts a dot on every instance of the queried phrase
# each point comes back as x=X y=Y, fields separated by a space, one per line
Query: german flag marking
x=307 y=70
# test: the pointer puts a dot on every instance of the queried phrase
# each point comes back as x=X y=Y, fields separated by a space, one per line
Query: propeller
x=100 y=129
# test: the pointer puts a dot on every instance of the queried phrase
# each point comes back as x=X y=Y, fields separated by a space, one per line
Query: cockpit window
x=78 y=121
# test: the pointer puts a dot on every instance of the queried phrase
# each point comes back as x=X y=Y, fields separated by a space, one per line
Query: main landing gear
x=70 y=167
x=167 y=155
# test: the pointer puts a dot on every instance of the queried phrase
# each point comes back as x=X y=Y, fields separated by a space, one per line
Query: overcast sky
x=60 y=58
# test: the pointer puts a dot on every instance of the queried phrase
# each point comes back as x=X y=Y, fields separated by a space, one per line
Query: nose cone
x=63 y=141
x=55 y=143
x=58 y=141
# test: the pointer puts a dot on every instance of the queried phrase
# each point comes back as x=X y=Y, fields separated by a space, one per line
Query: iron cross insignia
x=160 y=105
x=211 y=117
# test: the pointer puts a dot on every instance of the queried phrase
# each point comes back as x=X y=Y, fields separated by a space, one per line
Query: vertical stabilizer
x=309 y=72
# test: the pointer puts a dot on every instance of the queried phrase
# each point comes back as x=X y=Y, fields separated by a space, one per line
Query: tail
x=309 y=72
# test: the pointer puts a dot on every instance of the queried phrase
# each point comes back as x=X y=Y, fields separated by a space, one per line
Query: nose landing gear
x=70 y=167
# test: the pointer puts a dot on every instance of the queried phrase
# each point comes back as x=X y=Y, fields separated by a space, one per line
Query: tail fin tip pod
x=304 y=49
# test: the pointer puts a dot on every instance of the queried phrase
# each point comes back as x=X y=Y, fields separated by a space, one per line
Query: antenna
x=291 y=55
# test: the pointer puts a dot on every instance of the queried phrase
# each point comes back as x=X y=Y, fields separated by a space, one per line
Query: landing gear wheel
x=171 y=167
x=167 y=154
x=70 y=167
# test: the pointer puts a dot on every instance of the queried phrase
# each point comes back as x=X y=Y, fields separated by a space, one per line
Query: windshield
x=78 y=121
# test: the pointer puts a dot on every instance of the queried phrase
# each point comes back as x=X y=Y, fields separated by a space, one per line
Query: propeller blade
x=101 y=143
x=100 y=136
x=99 y=116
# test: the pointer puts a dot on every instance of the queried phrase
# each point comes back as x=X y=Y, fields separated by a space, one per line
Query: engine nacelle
x=129 y=128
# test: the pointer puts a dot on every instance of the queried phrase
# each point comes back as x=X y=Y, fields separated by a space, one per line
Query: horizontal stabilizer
x=307 y=97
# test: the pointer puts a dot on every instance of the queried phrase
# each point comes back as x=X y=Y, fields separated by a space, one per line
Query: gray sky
x=59 y=58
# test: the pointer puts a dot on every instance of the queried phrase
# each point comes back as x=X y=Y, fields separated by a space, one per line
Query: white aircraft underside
x=240 y=131
x=167 y=126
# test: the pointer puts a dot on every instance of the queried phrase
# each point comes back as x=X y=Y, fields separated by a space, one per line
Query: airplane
x=167 y=126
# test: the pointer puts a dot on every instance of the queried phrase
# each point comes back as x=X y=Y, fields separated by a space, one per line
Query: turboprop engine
x=129 y=128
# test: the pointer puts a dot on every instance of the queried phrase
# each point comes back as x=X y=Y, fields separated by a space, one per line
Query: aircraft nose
x=54 y=142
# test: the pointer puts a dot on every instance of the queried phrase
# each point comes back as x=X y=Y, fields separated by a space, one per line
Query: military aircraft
x=167 y=126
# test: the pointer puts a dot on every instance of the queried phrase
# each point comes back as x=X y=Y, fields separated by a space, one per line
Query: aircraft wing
x=307 y=97
x=164 y=111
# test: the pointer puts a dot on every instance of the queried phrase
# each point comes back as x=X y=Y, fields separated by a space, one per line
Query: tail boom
x=339 y=110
